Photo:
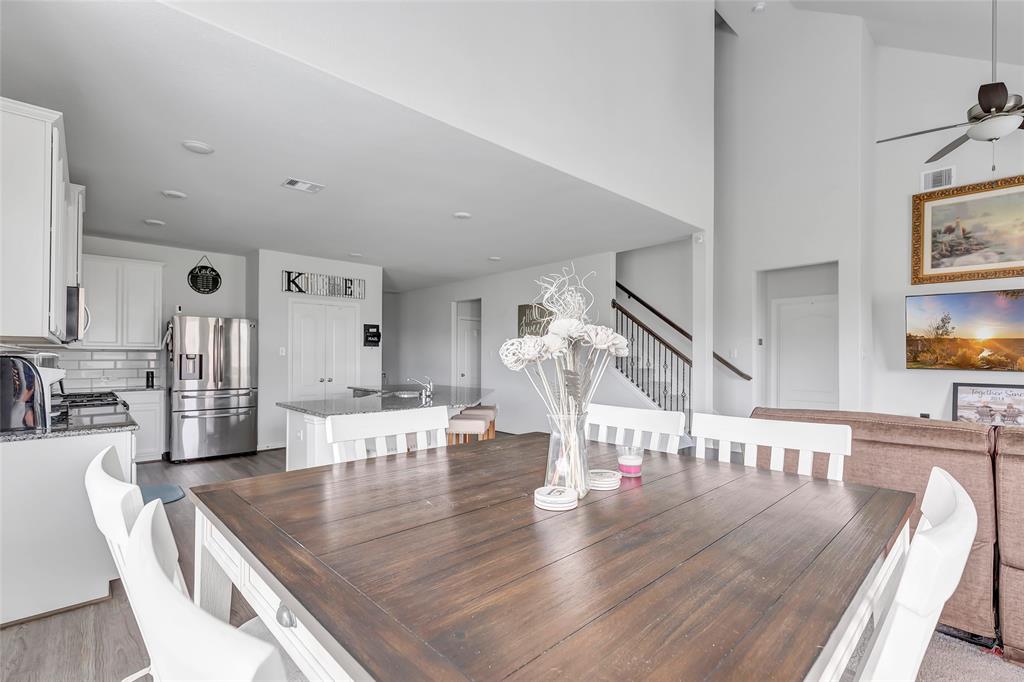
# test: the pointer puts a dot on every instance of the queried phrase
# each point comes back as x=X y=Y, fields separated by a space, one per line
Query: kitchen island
x=307 y=419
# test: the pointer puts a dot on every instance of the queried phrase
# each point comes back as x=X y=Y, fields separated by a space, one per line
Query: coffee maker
x=26 y=393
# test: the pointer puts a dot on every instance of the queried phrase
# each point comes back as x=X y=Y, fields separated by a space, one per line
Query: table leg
x=212 y=588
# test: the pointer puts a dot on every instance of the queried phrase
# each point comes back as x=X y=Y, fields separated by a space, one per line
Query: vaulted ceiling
x=135 y=79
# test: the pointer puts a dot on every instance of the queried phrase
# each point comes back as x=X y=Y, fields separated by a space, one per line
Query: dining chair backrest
x=115 y=502
x=934 y=565
x=348 y=433
x=652 y=429
x=835 y=440
x=186 y=643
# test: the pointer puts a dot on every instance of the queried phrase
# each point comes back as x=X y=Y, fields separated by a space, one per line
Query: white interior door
x=467 y=358
x=308 y=377
x=341 y=350
x=804 y=352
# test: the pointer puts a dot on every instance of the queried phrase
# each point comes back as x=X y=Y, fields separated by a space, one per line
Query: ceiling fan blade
x=923 y=132
x=948 y=148
x=992 y=97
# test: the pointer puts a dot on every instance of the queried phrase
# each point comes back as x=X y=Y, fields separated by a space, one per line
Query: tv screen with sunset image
x=981 y=330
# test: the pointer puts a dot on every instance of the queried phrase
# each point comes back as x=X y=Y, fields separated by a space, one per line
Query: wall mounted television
x=977 y=330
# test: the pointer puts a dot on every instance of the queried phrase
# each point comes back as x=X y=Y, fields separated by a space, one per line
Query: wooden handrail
x=657 y=313
x=657 y=337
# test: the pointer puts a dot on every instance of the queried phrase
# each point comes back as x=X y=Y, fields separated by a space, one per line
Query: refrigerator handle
x=220 y=359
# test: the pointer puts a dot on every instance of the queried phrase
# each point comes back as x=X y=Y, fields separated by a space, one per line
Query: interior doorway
x=799 y=337
x=466 y=343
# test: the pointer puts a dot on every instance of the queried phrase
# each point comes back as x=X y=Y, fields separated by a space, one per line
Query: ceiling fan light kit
x=996 y=115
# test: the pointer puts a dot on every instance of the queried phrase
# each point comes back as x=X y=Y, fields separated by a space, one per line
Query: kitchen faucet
x=428 y=386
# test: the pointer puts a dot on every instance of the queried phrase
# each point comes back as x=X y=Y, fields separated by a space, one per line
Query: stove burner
x=91 y=399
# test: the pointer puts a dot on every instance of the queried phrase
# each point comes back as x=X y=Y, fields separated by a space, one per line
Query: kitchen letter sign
x=322 y=285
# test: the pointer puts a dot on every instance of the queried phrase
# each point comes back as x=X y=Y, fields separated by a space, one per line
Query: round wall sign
x=204 y=279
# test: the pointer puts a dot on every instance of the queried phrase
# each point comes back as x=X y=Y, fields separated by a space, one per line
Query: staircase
x=654 y=365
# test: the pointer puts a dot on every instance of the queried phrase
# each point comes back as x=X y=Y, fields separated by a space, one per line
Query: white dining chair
x=116 y=505
x=835 y=440
x=649 y=428
x=348 y=433
x=185 y=643
x=934 y=565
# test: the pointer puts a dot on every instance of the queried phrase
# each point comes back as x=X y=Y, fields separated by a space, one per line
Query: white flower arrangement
x=580 y=351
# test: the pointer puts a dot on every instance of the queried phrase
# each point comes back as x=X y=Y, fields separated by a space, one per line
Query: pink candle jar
x=631 y=462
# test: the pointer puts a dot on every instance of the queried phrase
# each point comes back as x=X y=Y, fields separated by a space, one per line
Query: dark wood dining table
x=436 y=565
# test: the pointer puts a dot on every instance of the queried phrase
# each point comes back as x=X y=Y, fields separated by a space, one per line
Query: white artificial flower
x=566 y=327
x=555 y=344
x=619 y=346
x=598 y=336
x=511 y=354
x=534 y=349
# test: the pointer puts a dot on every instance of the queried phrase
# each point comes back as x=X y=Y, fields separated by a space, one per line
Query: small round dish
x=605 y=479
x=555 y=498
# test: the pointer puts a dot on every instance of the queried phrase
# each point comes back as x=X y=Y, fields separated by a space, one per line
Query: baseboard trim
x=63 y=609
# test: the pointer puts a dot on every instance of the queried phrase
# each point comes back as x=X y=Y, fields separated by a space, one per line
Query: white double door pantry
x=324 y=358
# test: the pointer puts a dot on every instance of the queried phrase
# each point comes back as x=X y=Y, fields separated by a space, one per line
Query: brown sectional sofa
x=898 y=452
x=1010 y=507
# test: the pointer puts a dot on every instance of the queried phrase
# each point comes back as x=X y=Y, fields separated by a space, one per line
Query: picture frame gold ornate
x=917 y=241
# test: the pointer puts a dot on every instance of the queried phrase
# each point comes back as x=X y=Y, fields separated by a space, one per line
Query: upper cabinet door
x=103 y=294
x=143 y=303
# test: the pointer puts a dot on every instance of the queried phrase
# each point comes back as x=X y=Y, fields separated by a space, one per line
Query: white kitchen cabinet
x=73 y=235
x=149 y=410
x=33 y=240
x=124 y=302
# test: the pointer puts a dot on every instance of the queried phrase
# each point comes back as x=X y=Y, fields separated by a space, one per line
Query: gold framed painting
x=968 y=233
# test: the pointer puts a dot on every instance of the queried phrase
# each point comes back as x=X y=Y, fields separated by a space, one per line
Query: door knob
x=330 y=379
x=321 y=380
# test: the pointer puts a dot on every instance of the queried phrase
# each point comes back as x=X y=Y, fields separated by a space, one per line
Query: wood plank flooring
x=101 y=642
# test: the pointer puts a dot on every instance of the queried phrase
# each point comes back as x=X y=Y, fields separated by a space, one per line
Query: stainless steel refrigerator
x=213 y=386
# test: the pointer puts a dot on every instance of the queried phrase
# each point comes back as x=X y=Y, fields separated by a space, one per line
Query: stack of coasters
x=555 y=498
x=605 y=479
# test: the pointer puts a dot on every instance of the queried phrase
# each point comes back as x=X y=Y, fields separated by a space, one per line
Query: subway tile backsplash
x=111 y=370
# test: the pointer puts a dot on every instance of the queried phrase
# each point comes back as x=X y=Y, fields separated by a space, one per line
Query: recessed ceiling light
x=307 y=186
x=356 y=254
x=197 y=147
x=462 y=215
x=153 y=222
x=494 y=258
x=173 y=194
x=759 y=7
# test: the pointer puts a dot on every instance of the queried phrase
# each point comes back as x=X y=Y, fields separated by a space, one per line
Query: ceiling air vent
x=937 y=179
x=302 y=185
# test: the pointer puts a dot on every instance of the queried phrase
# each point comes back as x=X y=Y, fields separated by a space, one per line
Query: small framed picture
x=997 y=404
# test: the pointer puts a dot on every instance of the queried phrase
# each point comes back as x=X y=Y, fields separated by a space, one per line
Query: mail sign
x=315 y=284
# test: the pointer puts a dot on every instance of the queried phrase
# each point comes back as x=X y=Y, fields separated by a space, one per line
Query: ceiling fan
x=996 y=115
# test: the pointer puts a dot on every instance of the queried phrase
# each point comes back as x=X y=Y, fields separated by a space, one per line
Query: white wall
x=917 y=90
x=390 y=341
x=661 y=275
x=228 y=301
x=425 y=326
x=274 y=332
x=615 y=93
x=788 y=185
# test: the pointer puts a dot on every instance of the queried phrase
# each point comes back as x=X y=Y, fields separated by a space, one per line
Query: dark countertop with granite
x=83 y=421
x=359 y=400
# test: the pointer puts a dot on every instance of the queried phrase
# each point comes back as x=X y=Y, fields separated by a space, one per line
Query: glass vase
x=567 y=453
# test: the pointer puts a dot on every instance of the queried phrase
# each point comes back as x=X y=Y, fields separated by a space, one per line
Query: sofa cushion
x=1011 y=611
x=1010 y=496
x=896 y=452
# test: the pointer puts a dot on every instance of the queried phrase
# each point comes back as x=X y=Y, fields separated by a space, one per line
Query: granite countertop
x=82 y=421
x=359 y=400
